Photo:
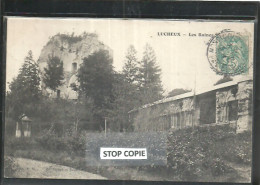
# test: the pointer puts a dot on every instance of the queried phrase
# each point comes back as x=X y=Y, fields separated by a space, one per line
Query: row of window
x=186 y=119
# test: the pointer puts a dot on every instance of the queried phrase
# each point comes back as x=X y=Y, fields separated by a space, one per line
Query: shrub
x=193 y=152
x=155 y=142
x=71 y=142
x=13 y=144
x=10 y=167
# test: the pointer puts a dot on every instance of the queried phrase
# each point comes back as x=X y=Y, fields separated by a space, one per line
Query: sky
x=182 y=56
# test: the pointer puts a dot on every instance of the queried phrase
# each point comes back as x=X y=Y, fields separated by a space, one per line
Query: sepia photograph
x=129 y=99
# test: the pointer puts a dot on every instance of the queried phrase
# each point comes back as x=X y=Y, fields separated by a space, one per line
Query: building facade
x=230 y=102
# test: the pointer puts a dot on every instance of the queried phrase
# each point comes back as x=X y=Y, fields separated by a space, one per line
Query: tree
x=176 y=92
x=81 y=112
x=149 y=75
x=95 y=77
x=53 y=75
x=226 y=78
x=130 y=69
x=25 y=93
x=126 y=98
x=126 y=91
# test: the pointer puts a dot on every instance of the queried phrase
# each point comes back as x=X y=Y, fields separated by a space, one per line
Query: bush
x=88 y=145
x=155 y=142
x=238 y=148
x=12 y=144
x=71 y=142
x=10 y=168
x=193 y=152
x=10 y=126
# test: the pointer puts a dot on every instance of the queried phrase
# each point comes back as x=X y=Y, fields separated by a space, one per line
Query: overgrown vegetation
x=25 y=93
x=199 y=153
x=207 y=151
x=54 y=74
x=176 y=92
x=103 y=93
x=81 y=151
x=10 y=167
x=225 y=79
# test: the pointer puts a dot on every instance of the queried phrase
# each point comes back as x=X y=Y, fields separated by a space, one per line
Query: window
x=232 y=110
x=178 y=120
x=74 y=67
x=207 y=103
x=173 y=121
x=58 y=93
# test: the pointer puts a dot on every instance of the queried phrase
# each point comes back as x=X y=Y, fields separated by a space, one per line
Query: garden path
x=29 y=168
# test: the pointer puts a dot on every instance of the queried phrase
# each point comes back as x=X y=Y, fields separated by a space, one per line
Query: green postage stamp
x=227 y=53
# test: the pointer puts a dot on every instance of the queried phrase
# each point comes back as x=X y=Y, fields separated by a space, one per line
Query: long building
x=229 y=102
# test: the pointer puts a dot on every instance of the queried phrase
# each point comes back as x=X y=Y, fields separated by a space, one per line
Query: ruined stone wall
x=182 y=113
x=151 y=119
x=224 y=96
x=242 y=93
x=164 y=116
x=245 y=106
x=70 y=50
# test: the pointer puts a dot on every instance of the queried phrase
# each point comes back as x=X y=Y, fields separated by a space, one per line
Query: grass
x=82 y=152
x=194 y=154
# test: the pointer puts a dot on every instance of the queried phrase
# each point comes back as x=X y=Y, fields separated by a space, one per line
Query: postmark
x=228 y=53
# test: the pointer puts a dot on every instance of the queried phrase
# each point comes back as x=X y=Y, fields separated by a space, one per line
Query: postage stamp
x=228 y=53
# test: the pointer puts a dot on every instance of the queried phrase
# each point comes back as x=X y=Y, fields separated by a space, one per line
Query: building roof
x=192 y=93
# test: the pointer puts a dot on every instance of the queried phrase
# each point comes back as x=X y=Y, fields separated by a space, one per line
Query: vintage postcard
x=129 y=99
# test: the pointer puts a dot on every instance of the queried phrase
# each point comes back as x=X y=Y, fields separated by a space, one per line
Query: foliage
x=194 y=152
x=88 y=144
x=238 y=149
x=59 y=114
x=10 y=126
x=53 y=75
x=25 y=89
x=225 y=78
x=125 y=91
x=17 y=144
x=149 y=74
x=71 y=142
x=10 y=167
x=138 y=84
x=176 y=92
x=62 y=114
x=81 y=112
x=126 y=98
x=70 y=38
x=96 y=82
x=154 y=142
x=197 y=153
x=130 y=69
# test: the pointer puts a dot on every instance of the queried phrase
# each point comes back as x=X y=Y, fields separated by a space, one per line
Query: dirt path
x=37 y=169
